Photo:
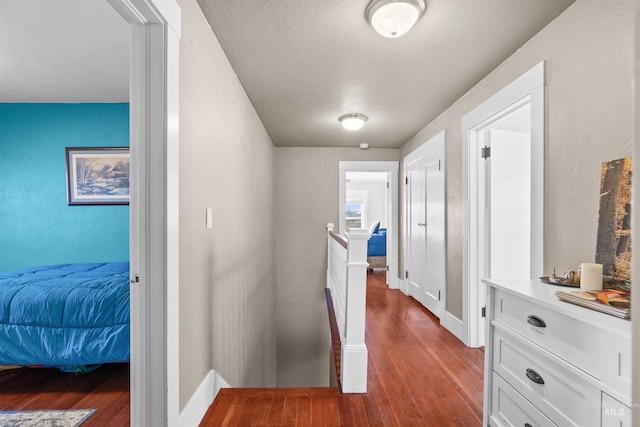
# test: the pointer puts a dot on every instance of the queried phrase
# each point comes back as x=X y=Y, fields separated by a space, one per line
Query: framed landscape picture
x=98 y=175
x=613 y=248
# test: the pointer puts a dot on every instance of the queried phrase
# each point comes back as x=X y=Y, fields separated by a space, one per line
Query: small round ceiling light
x=393 y=18
x=353 y=121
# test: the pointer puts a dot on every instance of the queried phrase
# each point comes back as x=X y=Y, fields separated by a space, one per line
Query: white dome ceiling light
x=353 y=121
x=393 y=18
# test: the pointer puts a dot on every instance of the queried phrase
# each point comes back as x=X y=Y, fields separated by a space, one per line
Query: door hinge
x=484 y=311
x=135 y=279
x=406 y=180
x=387 y=185
x=486 y=152
x=438 y=295
x=387 y=268
x=406 y=274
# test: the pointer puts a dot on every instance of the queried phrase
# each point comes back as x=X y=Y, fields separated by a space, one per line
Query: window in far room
x=368 y=190
x=355 y=209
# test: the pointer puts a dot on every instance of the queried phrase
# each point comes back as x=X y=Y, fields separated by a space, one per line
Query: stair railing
x=347 y=284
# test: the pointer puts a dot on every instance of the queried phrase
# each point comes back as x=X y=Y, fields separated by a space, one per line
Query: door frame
x=434 y=146
x=155 y=27
x=530 y=84
x=391 y=167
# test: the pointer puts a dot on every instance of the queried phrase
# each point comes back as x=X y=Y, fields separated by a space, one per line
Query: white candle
x=590 y=276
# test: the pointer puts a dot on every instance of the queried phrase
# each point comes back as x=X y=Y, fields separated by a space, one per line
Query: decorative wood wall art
x=613 y=248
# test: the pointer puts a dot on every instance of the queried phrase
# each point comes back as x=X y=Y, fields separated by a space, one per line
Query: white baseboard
x=403 y=286
x=454 y=325
x=393 y=282
x=218 y=384
x=202 y=399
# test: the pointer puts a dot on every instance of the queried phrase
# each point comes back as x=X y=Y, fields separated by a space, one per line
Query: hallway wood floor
x=419 y=375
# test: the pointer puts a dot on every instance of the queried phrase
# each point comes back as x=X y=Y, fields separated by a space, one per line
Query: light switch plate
x=209 y=217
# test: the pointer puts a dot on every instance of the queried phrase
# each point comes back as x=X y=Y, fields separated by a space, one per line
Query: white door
x=490 y=241
x=505 y=180
x=434 y=283
x=426 y=232
x=417 y=233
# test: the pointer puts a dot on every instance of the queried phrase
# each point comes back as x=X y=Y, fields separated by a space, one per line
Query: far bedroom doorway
x=368 y=200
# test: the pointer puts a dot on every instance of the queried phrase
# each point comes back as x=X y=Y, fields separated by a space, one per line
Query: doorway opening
x=368 y=198
x=503 y=193
x=154 y=28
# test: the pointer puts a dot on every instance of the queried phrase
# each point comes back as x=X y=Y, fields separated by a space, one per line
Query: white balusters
x=347 y=281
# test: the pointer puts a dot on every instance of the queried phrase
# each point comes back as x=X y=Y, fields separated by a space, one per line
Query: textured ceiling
x=304 y=63
x=63 y=51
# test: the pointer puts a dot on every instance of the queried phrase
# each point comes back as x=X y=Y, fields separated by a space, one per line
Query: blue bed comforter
x=377 y=244
x=61 y=315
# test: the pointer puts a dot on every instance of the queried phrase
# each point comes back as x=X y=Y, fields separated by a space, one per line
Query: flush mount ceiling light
x=393 y=18
x=353 y=121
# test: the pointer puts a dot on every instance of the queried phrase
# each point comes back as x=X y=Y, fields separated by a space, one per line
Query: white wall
x=227 y=288
x=589 y=54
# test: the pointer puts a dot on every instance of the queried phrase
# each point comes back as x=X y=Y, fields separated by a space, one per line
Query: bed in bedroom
x=69 y=316
x=377 y=247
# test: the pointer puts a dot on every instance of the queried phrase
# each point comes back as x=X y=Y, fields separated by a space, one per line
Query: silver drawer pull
x=534 y=376
x=536 y=321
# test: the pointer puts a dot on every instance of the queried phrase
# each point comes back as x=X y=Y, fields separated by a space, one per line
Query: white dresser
x=552 y=363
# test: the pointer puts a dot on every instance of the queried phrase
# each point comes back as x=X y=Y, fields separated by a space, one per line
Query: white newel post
x=354 y=349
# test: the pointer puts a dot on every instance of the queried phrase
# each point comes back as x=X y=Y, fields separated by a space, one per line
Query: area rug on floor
x=63 y=418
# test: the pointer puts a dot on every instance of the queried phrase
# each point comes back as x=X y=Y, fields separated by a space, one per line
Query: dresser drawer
x=509 y=408
x=544 y=381
x=562 y=335
x=614 y=413
x=616 y=366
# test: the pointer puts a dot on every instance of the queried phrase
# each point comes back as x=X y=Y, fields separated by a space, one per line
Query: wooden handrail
x=340 y=239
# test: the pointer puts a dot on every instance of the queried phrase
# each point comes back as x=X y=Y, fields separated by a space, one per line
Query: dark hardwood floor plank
x=275 y=411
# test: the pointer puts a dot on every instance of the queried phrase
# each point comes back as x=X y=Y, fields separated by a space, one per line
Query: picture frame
x=613 y=245
x=98 y=175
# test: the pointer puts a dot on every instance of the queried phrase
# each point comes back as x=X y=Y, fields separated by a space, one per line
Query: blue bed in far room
x=377 y=247
x=67 y=316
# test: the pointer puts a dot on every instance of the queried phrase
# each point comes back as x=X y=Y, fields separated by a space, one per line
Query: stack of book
x=609 y=301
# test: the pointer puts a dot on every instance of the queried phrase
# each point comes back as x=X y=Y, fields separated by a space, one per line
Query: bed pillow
x=374 y=227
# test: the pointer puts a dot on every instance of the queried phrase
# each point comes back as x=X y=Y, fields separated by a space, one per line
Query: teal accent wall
x=37 y=226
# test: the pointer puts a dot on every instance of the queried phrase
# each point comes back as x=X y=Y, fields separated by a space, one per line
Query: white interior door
x=417 y=233
x=426 y=257
x=510 y=205
x=524 y=98
x=505 y=199
x=425 y=261
x=434 y=281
